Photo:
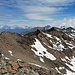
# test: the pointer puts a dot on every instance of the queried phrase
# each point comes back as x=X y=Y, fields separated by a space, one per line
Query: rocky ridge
x=51 y=52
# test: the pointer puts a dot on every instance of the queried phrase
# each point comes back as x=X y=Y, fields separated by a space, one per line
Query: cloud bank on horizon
x=22 y=13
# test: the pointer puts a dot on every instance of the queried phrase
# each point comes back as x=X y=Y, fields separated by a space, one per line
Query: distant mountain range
x=15 y=30
x=49 y=28
x=32 y=29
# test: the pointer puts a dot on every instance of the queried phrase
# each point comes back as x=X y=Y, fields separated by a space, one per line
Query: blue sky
x=22 y=13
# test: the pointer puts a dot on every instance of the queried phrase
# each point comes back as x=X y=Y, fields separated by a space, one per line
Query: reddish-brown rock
x=15 y=66
x=8 y=68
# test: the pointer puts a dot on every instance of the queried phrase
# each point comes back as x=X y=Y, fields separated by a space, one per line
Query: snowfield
x=40 y=50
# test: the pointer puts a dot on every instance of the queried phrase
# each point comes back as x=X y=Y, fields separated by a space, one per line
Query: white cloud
x=43 y=9
x=40 y=9
x=31 y=23
x=58 y=2
x=65 y=22
x=35 y=16
x=40 y=12
x=35 y=10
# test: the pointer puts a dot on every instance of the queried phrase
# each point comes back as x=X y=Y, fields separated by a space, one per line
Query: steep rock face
x=53 y=50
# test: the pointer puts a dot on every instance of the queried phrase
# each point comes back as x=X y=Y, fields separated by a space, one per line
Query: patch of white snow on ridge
x=48 y=35
x=54 y=46
x=57 y=70
x=10 y=53
x=59 y=47
x=66 y=57
x=47 y=45
x=38 y=65
x=71 y=46
x=72 y=67
x=6 y=58
x=73 y=63
x=19 y=60
x=2 y=55
x=69 y=73
x=73 y=35
x=60 y=68
x=57 y=39
x=63 y=59
x=41 y=59
x=40 y=50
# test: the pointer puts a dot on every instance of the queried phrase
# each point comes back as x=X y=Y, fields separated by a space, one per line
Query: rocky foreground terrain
x=50 y=52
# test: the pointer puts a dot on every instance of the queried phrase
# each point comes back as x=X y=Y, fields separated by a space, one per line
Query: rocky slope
x=41 y=53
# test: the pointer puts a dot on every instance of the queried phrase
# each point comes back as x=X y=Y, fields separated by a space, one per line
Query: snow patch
x=66 y=57
x=61 y=68
x=38 y=65
x=2 y=55
x=73 y=63
x=59 y=47
x=10 y=53
x=71 y=46
x=40 y=49
x=48 y=35
x=19 y=60
x=69 y=73
x=6 y=58
x=57 y=39
x=22 y=35
x=57 y=70
x=41 y=59
x=63 y=59
x=72 y=67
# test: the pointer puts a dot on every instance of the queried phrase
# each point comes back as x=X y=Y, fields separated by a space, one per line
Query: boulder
x=8 y=68
x=15 y=66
